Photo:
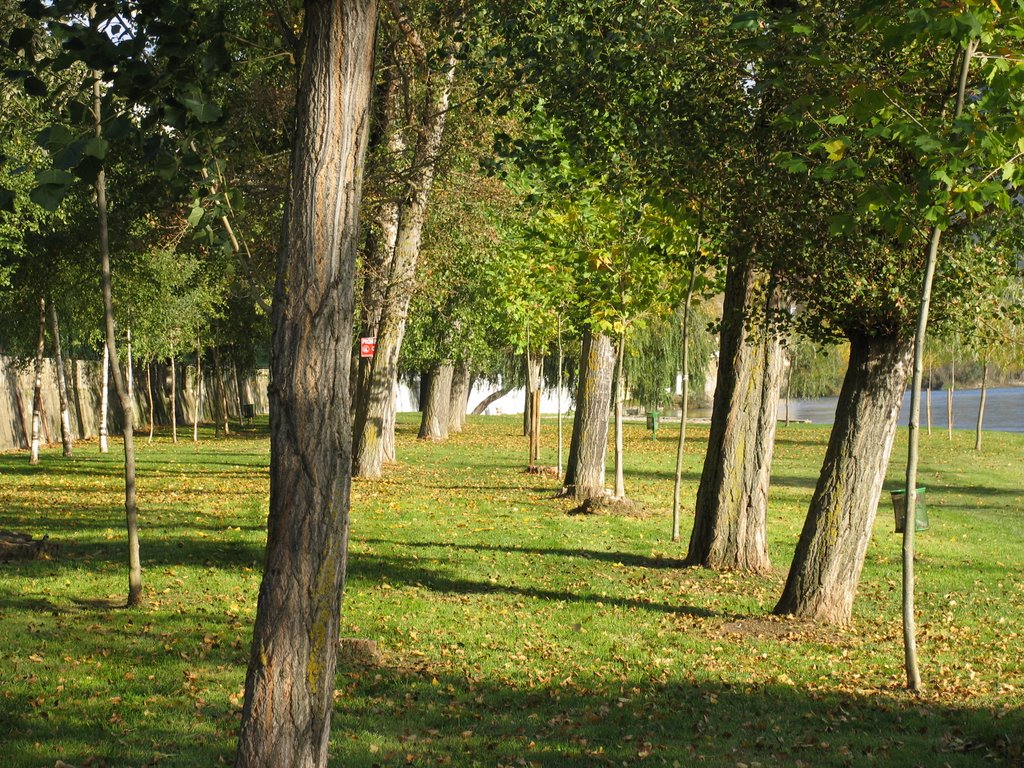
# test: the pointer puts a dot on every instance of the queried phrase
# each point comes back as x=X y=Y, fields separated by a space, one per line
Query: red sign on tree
x=367 y=346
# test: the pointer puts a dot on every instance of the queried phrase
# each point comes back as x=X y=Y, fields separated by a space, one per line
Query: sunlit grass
x=510 y=632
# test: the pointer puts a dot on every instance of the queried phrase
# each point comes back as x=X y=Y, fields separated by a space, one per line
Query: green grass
x=511 y=632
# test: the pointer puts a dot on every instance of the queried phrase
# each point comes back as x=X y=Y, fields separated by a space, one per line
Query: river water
x=1004 y=409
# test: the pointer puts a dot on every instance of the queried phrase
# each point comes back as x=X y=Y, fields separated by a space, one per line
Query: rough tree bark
x=588 y=446
x=375 y=413
x=37 y=389
x=289 y=690
x=830 y=554
x=434 y=422
x=66 y=437
x=729 y=529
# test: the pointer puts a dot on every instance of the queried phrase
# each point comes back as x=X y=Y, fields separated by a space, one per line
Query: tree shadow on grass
x=621 y=558
x=376 y=569
x=423 y=716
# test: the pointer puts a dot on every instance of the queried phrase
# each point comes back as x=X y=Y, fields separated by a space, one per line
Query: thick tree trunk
x=434 y=423
x=588 y=447
x=37 y=389
x=174 y=401
x=981 y=406
x=66 y=437
x=729 y=529
x=830 y=554
x=289 y=690
x=105 y=401
x=375 y=420
x=460 y=394
x=120 y=386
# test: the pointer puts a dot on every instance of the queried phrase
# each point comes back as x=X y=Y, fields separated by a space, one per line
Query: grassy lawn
x=510 y=632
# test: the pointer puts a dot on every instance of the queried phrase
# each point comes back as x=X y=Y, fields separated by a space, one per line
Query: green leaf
x=96 y=147
x=836 y=148
x=54 y=138
x=196 y=216
x=202 y=110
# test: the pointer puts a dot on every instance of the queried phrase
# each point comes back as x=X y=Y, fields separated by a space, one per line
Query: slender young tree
x=37 y=388
x=66 y=436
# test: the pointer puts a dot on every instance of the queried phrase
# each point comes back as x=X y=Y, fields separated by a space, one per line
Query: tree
x=395 y=245
x=289 y=689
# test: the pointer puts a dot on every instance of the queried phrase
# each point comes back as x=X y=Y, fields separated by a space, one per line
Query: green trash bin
x=899 y=508
x=652 y=422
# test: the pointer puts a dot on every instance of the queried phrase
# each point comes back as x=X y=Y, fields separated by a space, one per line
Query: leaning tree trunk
x=123 y=400
x=460 y=394
x=729 y=528
x=290 y=684
x=588 y=446
x=434 y=422
x=830 y=554
x=37 y=389
x=375 y=413
x=66 y=438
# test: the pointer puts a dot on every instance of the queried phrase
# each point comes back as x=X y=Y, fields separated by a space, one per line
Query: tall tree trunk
x=199 y=391
x=434 y=423
x=375 y=419
x=981 y=406
x=66 y=438
x=620 y=399
x=460 y=394
x=124 y=402
x=37 y=389
x=729 y=529
x=588 y=446
x=289 y=689
x=681 y=447
x=105 y=400
x=830 y=554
